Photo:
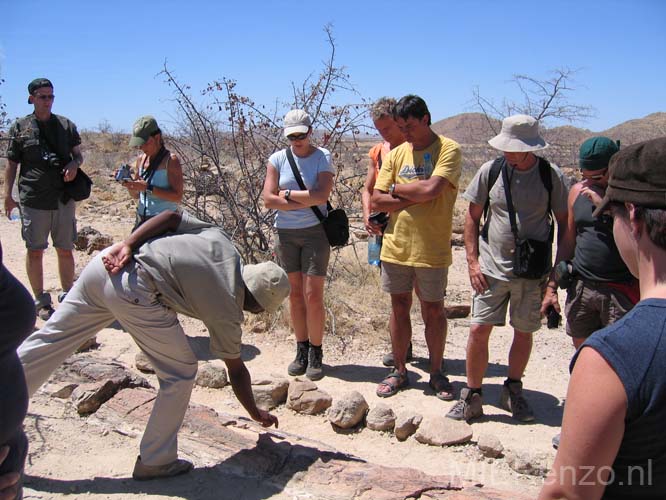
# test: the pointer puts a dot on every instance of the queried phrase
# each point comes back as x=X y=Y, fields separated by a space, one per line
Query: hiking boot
x=468 y=407
x=43 y=306
x=387 y=360
x=143 y=472
x=512 y=399
x=61 y=297
x=315 y=370
x=300 y=363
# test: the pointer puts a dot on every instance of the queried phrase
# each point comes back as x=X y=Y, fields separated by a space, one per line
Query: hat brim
x=296 y=129
x=513 y=145
x=136 y=141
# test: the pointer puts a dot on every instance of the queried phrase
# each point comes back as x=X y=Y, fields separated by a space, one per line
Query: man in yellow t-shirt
x=417 y=185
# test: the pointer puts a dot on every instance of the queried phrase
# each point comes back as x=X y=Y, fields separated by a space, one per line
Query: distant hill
x=467 y=128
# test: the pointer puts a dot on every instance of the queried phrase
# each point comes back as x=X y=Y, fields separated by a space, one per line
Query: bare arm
x=240 y=383
x=317 y=196
x=566 y=244
x=10 y=177
x=590 y=440
x=471 y=237
x=422 y=191
x=273 y=197
x=384 y=202
x=366 y=199
x=70 y=170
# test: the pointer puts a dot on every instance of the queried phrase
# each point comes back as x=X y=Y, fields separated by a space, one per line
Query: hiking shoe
x=43 y=306
x=556 y=441
x=62 y=297
x=315 y=370
x=468 y=407
x=143 y=472
x=387 y=360
x=300 y=363
x=512 y=399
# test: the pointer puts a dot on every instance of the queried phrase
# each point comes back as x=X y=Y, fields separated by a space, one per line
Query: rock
x=99 y=242
x=459 y=311
x=88 y=345
x=406 y=424
x=270 y=393
x=490 y=445
x=532 y=464
x=97 y=370
x=63 y=391
x=348 y=411
x=211 y=376
x=304 y=397
x=142 y=363
x=83 y=235
x=442 y=431
x=380 y=418
x=89 y=397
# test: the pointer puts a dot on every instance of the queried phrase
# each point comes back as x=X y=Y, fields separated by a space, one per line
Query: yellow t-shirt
x=420 y=235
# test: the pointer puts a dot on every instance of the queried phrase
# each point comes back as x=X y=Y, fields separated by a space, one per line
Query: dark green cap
x=38 y=83
x=143 y=128
x=595 y=153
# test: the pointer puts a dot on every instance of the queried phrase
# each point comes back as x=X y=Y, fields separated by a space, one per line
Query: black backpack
x=496 y=168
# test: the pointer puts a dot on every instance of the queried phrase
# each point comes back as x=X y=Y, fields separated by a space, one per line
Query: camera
x=553 y=317
x=379 y=218
x=52 y=159
x=123 y=173
x=564 y=274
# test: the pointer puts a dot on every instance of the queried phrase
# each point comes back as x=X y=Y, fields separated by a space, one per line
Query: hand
x=138 y=186
x=266 y=419
x=549 y=299
x=10 y=205
x=372 y=228
x=69 y=173
x=476 y=278
x=8 y=481
x=117 y=257
x=592 y=192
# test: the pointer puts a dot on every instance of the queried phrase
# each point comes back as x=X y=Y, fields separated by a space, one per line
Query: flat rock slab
x=442 y=431
x=244 y=455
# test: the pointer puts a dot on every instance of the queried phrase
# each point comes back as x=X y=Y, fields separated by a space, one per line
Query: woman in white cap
x=158 y=183
x=301 y=244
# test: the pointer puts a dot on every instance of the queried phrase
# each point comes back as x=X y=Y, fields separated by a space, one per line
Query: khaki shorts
x=522 y=296
x=36 y=225
x=305 y=250
x=430 y=281
x=590 y=306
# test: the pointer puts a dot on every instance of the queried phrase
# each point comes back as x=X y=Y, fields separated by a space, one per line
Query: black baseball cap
x=38 y=83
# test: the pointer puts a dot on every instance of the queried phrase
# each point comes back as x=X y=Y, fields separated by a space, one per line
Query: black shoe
x=300 y=363
x=315 y=370
x=387 y=360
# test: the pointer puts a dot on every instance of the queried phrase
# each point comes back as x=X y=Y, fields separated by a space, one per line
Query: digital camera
x=52 y=159
x=123 y=173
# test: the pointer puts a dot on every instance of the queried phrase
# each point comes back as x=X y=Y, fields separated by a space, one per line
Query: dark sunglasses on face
x=597 y=177
x=297 y=137
x=45 y=97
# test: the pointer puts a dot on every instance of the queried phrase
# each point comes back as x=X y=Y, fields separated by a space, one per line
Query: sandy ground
x=68 y=451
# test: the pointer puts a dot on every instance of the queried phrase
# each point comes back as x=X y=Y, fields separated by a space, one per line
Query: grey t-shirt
x=530 y=201
x=197 y=272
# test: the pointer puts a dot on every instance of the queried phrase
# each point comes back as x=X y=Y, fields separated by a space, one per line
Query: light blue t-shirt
x=309 y=168
x=151 y=205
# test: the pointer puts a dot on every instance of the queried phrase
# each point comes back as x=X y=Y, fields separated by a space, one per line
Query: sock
x=316 y=347
x=478 y=391
x=510 y=381
x=303 y=345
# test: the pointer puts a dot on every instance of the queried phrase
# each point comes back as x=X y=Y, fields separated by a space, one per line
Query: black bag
x=532 y=259
x=79 y=188
x=336 y=223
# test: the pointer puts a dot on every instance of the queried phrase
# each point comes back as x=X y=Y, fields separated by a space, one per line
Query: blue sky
x=103 y=57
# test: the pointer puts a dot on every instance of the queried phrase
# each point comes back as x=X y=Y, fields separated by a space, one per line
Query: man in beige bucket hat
x=537 y=188
x=190 y=268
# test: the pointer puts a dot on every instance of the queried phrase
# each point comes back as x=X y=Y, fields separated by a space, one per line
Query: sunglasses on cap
x=297 y=137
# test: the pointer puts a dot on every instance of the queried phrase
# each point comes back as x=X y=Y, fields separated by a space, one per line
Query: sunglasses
x=297 y=137
x=45 y=97
x=597 y=177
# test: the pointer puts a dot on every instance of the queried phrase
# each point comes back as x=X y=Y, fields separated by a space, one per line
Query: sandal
x=442 y=387
x=394 y=382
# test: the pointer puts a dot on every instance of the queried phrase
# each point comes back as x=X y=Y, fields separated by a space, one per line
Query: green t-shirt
x=40 y=184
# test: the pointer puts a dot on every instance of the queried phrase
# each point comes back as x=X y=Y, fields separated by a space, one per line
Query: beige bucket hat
x=268 y=283
x=519 y=134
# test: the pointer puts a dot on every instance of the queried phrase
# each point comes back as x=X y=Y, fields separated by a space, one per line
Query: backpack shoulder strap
x=495 y=170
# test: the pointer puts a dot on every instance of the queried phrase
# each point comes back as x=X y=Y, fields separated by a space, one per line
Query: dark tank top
x=596 y=256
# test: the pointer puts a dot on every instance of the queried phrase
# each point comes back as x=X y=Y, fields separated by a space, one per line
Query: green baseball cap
x=595 y=153
x=38 y=83
x=142 y=129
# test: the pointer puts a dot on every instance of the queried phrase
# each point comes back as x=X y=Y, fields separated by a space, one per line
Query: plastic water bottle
x=15 y=214
x=374 y=249
x=427 y=165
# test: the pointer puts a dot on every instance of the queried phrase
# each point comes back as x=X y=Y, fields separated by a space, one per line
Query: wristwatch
x=287 y=194
x=391 y=189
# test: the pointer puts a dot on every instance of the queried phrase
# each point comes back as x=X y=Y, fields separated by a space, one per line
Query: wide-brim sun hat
x=296 y=121
x=268 y=283
x=519 y=134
